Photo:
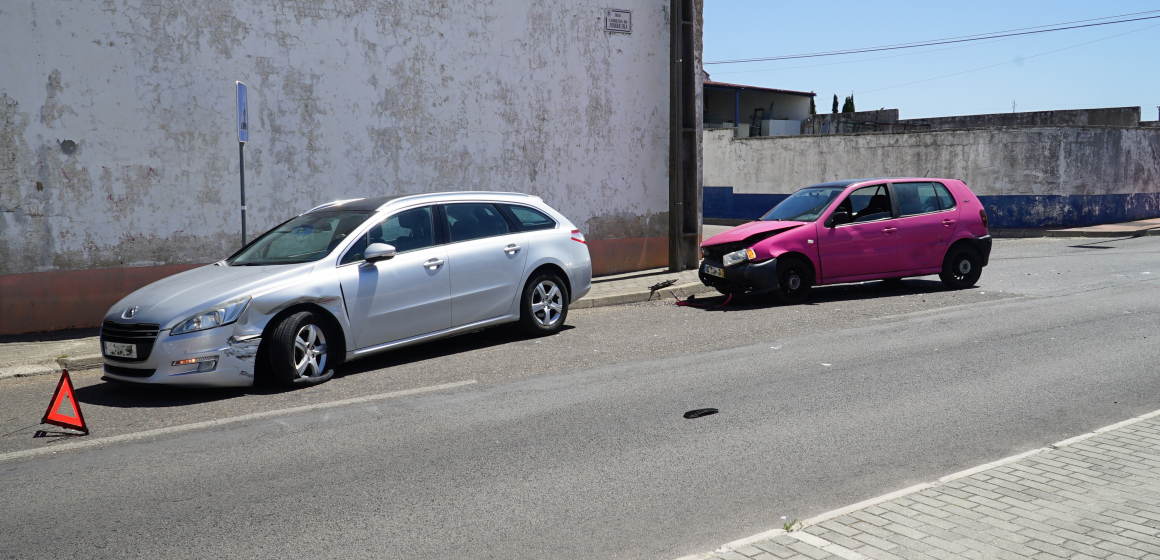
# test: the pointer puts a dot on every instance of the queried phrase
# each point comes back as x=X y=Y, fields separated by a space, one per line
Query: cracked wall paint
x=349 y=98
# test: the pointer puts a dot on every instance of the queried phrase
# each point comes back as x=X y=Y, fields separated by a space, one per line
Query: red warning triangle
x=63 y=394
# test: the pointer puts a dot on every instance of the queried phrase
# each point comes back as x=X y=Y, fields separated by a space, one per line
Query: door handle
x=948 y=222
x=434 y=263
x=511 y=249
x=889 y=230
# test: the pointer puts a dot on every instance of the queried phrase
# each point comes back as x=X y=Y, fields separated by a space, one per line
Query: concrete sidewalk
x=1138 y=228
x=1095 y=496
x=47 y=354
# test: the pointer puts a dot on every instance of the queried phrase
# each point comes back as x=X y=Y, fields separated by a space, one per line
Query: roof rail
x=329 y=204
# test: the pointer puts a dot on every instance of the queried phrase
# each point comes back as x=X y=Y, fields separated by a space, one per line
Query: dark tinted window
x=945 y=200
x=473 y=221
x=530 y=219
x=307 y=238
x=405 y=231
x=916 y=198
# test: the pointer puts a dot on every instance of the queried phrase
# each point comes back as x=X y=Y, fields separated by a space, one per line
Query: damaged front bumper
x=747 y=278
x=212 y=358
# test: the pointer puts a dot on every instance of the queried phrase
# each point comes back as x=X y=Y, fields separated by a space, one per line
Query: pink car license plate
x=714 y=271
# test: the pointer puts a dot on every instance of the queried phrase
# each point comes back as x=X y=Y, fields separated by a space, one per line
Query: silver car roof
x=375 y=203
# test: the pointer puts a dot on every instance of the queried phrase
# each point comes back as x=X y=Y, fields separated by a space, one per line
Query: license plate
x=120 y=350
x=711 y=270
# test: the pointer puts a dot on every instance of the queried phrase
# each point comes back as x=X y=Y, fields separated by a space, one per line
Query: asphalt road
x=575 y=446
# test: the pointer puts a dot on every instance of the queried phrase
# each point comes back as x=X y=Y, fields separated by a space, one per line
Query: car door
x=924 y=227
x=403 y=296
x=486 y=256
x=864 y=245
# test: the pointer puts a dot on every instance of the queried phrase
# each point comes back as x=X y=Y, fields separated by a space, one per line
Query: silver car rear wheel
x=544 y=304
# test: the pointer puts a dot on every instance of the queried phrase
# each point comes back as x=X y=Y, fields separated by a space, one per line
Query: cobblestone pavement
x=34 y=357
x=1096 y=496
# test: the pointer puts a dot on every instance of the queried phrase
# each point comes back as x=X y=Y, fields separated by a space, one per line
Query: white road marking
x=80 y=444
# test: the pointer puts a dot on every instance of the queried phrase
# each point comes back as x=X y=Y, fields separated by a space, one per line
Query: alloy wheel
x=547 y=303
x=309 y=351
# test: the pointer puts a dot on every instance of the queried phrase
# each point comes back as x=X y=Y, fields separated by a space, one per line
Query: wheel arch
x=260 y=368
x=805 y=258
x=556 y=268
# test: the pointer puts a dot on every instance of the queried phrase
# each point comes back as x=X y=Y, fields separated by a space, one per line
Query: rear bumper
x=746 y=278
x=983 y=245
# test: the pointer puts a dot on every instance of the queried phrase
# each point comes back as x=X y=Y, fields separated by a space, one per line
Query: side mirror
x=378 y=252
x=838 y=218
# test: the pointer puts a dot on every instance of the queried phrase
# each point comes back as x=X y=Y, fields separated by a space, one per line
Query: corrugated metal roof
x=723 y=85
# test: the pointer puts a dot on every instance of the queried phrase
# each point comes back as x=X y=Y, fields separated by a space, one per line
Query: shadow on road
x=826 y=294
x=127 y=395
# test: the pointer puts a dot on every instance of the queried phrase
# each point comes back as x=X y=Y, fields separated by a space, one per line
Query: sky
x=1121 y=71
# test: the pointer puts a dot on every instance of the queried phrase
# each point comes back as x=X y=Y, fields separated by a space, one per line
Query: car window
x=916 y=198
x=866 y=204
x=945 y=200
x=475 y=220
x=306 y=238
x=529 y=219
x=406 y=231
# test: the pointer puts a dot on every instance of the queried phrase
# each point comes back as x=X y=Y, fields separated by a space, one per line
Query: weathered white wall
x=1001 y=162
x=348 y=98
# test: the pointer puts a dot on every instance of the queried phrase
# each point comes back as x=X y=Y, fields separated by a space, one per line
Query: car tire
x=544 y=305
x=794 y=281
x=299 y=353
x=962 y=267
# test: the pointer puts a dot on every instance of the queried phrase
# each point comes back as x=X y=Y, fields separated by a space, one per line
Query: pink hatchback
x=851 y=231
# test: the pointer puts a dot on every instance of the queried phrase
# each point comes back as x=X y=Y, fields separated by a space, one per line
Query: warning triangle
x=63 y=409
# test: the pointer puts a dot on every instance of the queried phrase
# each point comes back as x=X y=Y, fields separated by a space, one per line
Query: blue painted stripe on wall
x=1010 y=211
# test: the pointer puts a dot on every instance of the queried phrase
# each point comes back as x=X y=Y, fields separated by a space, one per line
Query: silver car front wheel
x=299 y=353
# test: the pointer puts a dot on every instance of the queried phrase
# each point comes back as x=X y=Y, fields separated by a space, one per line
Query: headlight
x=738 y=257
x=215 y=316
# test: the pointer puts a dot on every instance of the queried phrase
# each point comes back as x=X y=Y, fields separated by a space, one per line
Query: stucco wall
x=117 y=118
x=348 y=99
x=1032 y=177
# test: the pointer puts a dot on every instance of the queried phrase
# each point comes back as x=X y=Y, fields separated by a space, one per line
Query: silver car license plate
x=120 y=350
x=711 y=270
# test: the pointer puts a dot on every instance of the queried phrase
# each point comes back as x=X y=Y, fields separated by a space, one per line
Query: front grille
x=718 y=252
x=141 y=334
x=129 y=372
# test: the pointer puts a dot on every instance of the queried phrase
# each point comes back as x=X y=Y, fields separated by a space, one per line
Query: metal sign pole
x=243 y=137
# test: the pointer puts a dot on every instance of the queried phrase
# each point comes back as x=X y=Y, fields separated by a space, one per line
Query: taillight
x=983 y=215
x=577 y=236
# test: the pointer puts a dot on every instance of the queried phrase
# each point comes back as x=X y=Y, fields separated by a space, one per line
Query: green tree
x=813 y=109
x=835 y=103
x=848 y=106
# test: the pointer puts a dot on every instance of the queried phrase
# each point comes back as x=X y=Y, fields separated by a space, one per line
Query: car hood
x=758 y=229
x=178 y=297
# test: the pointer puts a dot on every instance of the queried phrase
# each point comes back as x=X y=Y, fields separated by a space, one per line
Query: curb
x=81 y=362
x=28 y=370
x=1030 y=232
x=682 y=290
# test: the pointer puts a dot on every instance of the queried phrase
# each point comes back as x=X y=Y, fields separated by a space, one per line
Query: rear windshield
x=306 y=238
x=804 y=206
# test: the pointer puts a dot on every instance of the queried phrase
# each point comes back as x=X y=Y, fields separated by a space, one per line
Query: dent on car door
x=406 y=295
x=486 y=255
x=864 y=243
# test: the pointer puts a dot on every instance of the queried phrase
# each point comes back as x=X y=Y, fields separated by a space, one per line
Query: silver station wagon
x=348 y=279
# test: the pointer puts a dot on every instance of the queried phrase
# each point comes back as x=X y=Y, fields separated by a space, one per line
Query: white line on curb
x=843 y=552
x=223 y=421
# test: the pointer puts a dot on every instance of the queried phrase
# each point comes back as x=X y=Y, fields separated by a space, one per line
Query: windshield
x=803 y=206
x=307 y=238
